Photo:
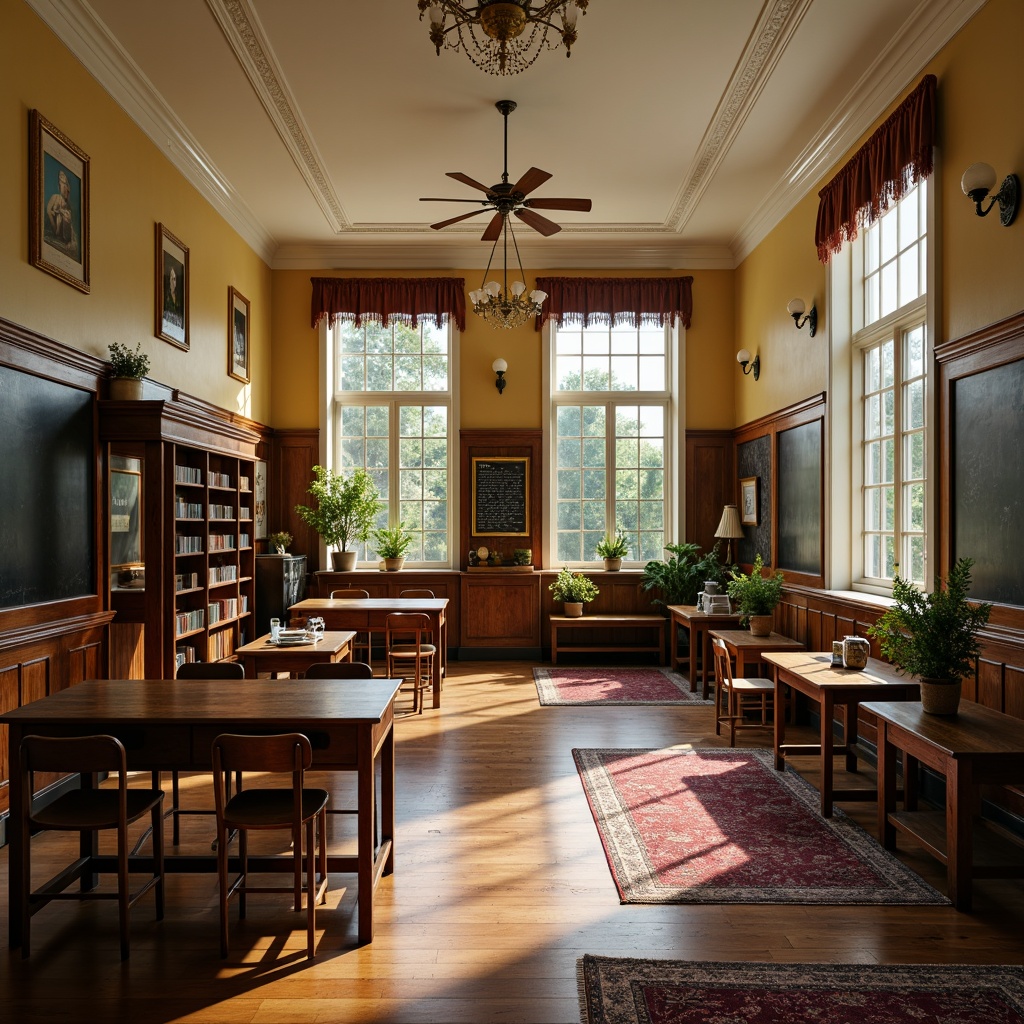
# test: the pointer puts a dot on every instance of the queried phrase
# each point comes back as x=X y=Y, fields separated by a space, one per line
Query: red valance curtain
x=611 y=300
x=381 y=299
x=896 y=157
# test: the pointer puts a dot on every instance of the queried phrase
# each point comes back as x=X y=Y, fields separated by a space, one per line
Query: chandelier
x=501 y=37
x=506 y=306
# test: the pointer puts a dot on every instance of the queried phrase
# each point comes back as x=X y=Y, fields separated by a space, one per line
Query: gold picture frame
x=172 y=285
x=750 y=505
x=238 y=335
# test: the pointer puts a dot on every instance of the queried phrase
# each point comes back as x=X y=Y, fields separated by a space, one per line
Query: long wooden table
x=606 y=625
x=698 y=623
x=264 y=656
x=747 y=649
x=367 y=614
x=975 y=747
x=811 y=673
x=168 y=724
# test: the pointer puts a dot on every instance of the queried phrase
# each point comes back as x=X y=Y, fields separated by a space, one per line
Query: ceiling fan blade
x=455 y=220
x=493 y=231
x=467 y=180
x=446 y=199
x=537 y=222
x=583 y=205
x=533 y=178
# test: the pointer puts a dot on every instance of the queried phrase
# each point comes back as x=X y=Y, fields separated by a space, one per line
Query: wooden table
x=170 y=724
x=607 y=623
x=811 y=674
x=263 y=656
x=364 y=614
x=698 y=623
x=975 y=747
x=747 y=649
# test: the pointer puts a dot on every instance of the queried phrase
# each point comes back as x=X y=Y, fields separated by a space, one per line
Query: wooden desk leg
x=959 y=831
x=554 y=645
x=910 y=777
x=436 y=674
x=366 y=841
x=780 y=722
x=673 y=643
x=387 y=797
x=827 y=753
x=705 y=657
x=694 y=636
x=886 y=786
x=851 y=737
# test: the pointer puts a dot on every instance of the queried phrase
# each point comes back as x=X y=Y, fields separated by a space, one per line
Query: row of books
x=187 y=509
x=186 y=621
x=223 y=573
x=220 y=479
x=187 y=545
x=186 y=580
x=187 y=475
x=227 y=608
x=184 y=655
x=224 y=542
x=222 y=511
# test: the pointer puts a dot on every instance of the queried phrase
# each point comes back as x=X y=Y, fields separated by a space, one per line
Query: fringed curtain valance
x=381 y=299
x=611 y=300
x=896 y=157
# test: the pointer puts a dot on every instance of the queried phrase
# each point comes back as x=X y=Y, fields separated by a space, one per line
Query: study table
x=747 y=649
x=263 y=655
x=975 y=747
x=369 y=614
x=698 y=623
x=811 y=673
x=170 y=725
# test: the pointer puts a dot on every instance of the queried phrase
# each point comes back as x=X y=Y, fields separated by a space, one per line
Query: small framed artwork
x=238 y=335
x=171 y=288
x=59 y=209
x=749 y=503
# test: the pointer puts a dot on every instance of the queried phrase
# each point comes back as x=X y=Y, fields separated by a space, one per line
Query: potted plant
x=574 y=590
x=344 y=513
x=391 y=543
x=613 y=550
x=934 y=636
x=279 y=541
x=679 y=579
x=756 y=596
x=127 y=368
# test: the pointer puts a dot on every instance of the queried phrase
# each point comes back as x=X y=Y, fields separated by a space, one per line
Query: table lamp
x=729 y=529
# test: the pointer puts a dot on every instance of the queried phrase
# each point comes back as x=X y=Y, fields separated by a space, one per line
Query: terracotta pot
x=125 y=389
x=940 y=696
x=343 y=561
x=613 y=564
x=761 y=625
x=394 y=564
x=573 y=609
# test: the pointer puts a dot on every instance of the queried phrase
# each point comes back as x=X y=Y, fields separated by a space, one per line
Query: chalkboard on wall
x=799 y=497
x=501 y=497
x=47 y=513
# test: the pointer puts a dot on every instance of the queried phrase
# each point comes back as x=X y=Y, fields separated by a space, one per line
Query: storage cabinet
x=280 y=583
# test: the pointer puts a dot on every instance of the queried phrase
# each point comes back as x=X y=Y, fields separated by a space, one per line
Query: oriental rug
x=692 y=825
x=624 y=991
x=622 y=686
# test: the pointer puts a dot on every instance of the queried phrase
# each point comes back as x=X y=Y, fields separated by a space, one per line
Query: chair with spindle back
x=734 y=697
x=406 y=643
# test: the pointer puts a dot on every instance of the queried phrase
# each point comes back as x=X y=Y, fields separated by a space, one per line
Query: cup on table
x=275 y=629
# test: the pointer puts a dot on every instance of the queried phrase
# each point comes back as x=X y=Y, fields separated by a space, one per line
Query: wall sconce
x=743 y=358
x=499 y=366
x=729 y=529
x=796 y=310
x=977 y=183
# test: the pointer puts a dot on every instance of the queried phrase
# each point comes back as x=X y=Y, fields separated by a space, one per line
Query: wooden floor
x=500 y=885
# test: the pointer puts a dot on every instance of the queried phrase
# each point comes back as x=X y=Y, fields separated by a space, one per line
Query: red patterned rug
x=613 y=686
x=723 y=826
x=619 y=991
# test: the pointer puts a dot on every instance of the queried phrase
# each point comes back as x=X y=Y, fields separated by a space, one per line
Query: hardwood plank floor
x=500 y=885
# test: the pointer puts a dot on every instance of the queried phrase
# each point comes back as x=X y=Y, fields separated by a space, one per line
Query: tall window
x=391 y=411
x=611 y=417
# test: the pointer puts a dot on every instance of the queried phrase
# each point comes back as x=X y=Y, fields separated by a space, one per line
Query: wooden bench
x=605 y=624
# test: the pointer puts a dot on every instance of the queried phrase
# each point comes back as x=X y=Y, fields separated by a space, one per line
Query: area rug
x=723 y=826
x=562 y=686
x=621 y=991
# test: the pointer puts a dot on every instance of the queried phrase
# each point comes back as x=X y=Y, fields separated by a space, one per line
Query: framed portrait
x=749 y=504
x=58 y=239
x=238 y=335
x=171 y=288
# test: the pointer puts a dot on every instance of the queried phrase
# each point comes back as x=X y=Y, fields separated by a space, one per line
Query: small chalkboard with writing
x=501 y=497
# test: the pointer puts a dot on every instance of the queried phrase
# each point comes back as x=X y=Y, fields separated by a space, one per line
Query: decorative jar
x=855 y=652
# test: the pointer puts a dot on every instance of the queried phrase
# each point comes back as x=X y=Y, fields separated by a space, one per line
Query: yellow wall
x=133 y=186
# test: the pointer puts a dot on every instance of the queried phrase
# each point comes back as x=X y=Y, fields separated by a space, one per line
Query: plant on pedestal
x=574 y=590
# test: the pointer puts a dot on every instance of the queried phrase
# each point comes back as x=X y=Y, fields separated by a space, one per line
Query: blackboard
x=48 y=508
x=501 y=497
x=987 y=411
x=799 y=499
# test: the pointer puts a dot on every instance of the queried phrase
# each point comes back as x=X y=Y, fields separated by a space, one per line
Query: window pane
x=890 y=297
x=569 y=371
x=568 y=483
x=909 y=289
x=913 y=405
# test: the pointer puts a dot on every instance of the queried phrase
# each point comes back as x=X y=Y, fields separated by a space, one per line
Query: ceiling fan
x=505 y=199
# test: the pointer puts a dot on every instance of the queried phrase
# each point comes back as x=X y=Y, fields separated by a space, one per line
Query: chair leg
x=158 y=857
x=26 y=888
x=175 y=804
x=222 y=878
x=122 y=888
x=310 y=887
x=297 y=868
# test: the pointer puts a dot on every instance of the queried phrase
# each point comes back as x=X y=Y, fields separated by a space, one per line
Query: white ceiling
x=314 y=126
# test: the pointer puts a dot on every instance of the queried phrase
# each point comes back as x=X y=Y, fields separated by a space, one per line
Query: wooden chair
x=734 y=697
x=83 y=811
x=362 y=641
x=294 y=809
x=406 y=643
x=340 y=670
x=420 y=592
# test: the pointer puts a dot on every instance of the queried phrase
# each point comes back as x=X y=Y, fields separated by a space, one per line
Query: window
x=611 y=430
x=391 y=414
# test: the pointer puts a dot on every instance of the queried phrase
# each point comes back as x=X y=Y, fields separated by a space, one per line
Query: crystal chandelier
x=506 y=306
x=501 y=37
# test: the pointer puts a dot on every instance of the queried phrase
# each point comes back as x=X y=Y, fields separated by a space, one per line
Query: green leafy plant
x=755 y=594
x=573 y=587
x=613 y=547
x=934 y=636
x=279 y=540
x=126 y=363
x=681 y=577
x=391 y=541
x=346 y=506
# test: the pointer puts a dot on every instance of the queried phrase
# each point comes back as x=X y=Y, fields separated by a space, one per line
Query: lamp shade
x=729 y=528
x=796 y=307
x=979 y=177
x=499 y=365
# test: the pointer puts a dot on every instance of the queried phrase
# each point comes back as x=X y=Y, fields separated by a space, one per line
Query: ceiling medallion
x=501 y=37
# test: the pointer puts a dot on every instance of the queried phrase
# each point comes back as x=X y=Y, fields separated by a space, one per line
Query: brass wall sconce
x=743 y=358
x=977 y=183
x=796 y=310
x=499 y=366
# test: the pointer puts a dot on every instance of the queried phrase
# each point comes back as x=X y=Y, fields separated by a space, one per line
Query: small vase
x=343 y=561
x=394 y=564
x=940 y=696
x=126 y=389
x=761 y=625
x=573 y=609
x=613 y=564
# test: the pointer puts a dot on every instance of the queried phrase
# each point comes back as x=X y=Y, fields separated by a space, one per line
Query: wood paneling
x=710 y=483
x=294 y=453
x=500 y=611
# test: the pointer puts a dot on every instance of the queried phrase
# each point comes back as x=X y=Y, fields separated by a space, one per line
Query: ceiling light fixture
x=501 y=37
x=506 y=306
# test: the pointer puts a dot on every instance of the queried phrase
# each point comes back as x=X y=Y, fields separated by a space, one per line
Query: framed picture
x=171 y=288
x=261 y=501
x=58 y=232
x=125 y=518
x=501 y=497
x=749 y=504
x=238 y=336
